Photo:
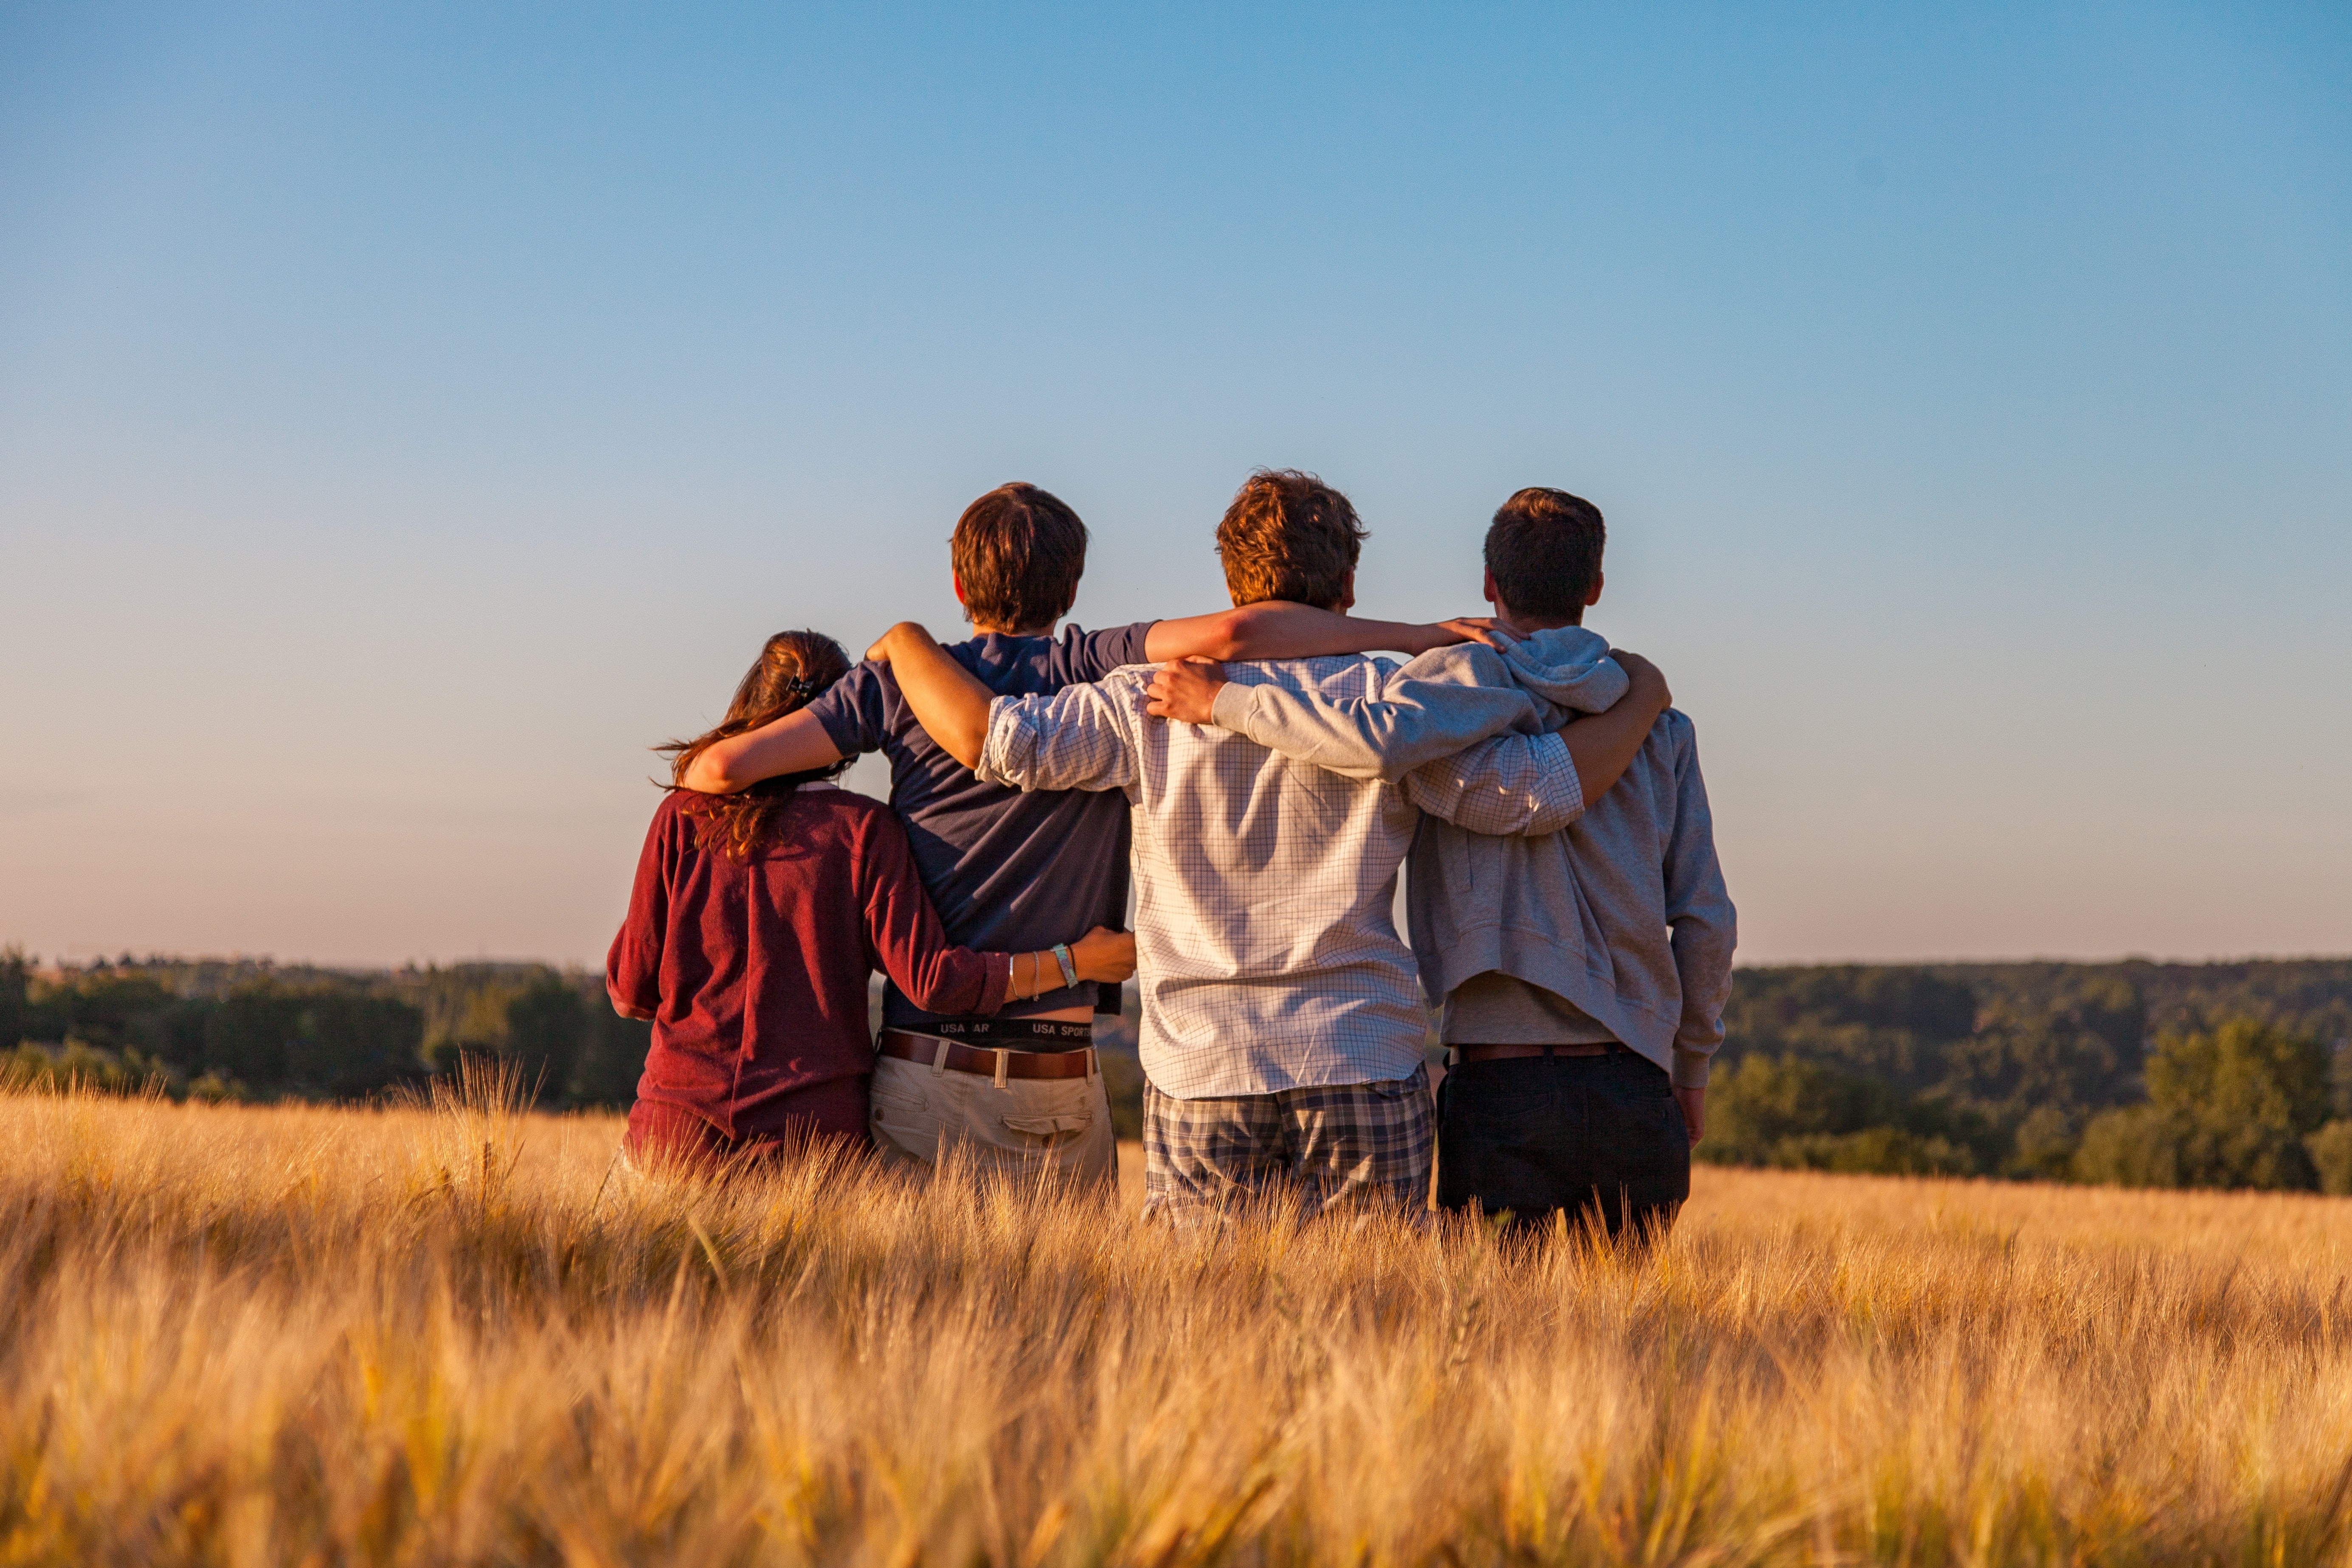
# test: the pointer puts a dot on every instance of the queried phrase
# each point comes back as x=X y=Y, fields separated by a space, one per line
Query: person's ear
x=1347 y=592
x=956 y=578
x=1595 y=597
x=1493 y=595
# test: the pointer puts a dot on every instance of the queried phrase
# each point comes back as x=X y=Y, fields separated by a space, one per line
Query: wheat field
x=456 y=1334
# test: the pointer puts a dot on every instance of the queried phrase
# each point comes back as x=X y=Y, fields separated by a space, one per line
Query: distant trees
x=2042 y=1071
x=257 y=1031
x=1787 y=1111
x=2232 y=1107
x=2187 y=1075
x=327 y=1045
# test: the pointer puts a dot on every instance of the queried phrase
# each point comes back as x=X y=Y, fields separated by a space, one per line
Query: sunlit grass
x=454 y=1333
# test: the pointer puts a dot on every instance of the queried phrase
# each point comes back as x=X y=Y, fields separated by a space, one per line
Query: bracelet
x=1062 y=957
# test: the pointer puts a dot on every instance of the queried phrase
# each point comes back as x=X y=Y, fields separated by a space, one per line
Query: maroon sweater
x=755 y=971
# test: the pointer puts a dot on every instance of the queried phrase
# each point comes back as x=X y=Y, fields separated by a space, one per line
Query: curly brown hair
x=1288 y=535
x=789 y=673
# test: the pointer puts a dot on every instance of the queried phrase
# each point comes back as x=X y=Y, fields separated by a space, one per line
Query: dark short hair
x=1019 y=553
x=1544 y=549
x=1288 y=535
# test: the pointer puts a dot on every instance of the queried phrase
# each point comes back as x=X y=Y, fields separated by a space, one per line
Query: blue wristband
x=1062 y=957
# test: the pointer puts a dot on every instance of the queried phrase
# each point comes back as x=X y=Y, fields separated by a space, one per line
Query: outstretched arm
x=1277 y=629
x=1395 y=737
x=791 y=744
x=948 y=700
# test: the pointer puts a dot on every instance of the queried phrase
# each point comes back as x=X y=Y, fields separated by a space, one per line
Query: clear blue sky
x=408 y=415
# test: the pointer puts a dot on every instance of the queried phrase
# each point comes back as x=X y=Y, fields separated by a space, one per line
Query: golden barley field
x=455 y=1335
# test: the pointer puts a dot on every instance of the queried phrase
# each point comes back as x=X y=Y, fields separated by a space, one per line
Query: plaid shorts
x=1347 y=1146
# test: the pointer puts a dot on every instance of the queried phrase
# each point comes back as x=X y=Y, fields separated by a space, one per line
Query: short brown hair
x=1544 y=550
x=1288 y=535
x=1019 y=553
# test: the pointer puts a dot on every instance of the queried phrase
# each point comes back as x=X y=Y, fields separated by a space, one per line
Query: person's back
x=1606 y=944
x=1265 y=887
x=1282 y=1032
x=1008 y=868
x=753 y=967
x=753 y=925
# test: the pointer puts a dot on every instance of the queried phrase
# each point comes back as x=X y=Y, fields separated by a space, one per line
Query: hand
x=1104 y=954
x=1470 y=628
x=1186 y=689
x=1693 y=1104
x=880 y=652
x=1649 y=681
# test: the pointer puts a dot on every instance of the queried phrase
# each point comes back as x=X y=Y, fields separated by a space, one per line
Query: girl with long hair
x=754 y=924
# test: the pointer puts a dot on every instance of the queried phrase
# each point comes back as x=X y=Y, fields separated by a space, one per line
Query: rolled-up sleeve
x=1510 y=785
x=1076 y=738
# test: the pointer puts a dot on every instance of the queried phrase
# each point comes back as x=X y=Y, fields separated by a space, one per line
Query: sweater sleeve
x=904 y=938
x=632 y=965
x=1698 y=911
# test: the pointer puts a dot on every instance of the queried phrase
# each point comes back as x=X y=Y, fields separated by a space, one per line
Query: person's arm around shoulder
x=1275 y=628
x=948 y=700
x=794 y=743
x=1538 y=785
x=1705 y=926
x=1071 y=739
x=1506 y=785
x=1435 y=707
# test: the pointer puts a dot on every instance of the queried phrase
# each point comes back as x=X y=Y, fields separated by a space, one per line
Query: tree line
x=2214 y=1075
x=249 y=1029
x=2138 y=1074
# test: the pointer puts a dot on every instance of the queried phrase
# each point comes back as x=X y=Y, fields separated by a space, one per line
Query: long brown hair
x=789 y=673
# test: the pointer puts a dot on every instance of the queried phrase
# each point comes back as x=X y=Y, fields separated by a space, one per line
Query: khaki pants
x=1030 y=1126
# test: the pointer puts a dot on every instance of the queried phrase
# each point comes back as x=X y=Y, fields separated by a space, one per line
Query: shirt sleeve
x=903 y=938
x=1433 y=708
x=1076 y=738
x=1699 y=913
x=1084 y=656
x=850 y=711
x=1511 y=784
x=632 y=965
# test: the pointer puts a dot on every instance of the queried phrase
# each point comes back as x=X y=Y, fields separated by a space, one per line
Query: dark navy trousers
x=1601 y=1138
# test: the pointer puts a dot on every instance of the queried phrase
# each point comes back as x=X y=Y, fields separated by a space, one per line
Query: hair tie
x=801 y=688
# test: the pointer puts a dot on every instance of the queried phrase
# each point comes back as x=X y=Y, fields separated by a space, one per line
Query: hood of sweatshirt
x=1569 y=668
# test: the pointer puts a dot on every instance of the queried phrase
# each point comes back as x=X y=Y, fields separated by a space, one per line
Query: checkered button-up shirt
x=1266 y=947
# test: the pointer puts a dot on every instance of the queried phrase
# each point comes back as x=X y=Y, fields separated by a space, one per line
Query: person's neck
x=985 y=631
x=1528 y=625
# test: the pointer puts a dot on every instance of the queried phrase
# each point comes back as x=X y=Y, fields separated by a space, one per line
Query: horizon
x=407 y=420
x=41 y=967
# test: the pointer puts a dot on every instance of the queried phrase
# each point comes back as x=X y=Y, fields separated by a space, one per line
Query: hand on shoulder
x=1186 y=689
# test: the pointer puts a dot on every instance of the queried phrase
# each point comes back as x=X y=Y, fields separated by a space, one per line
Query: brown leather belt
x=925 y=1048
x=1516 y=1053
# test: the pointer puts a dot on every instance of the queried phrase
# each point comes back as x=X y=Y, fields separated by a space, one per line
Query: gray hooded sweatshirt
x=1622 y=913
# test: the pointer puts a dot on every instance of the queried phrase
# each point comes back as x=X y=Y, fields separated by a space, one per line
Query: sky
x=408 y=415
